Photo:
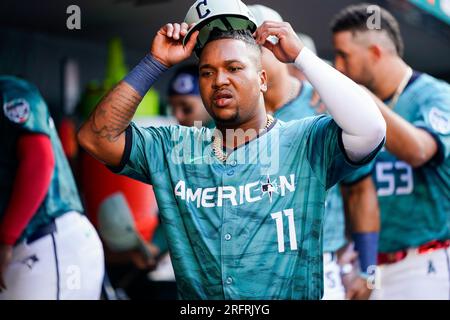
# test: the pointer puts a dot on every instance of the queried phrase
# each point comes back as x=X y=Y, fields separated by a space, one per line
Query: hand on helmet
x=168 y=47
x=288 y=46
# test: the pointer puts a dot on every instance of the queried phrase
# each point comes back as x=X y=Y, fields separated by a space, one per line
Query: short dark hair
x=243 y=35
x=354 y=18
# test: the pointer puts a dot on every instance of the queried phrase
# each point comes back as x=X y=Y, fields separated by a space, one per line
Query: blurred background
x=36 y=44
x=73 y=69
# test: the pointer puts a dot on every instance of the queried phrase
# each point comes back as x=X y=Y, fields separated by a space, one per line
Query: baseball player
x=289 y=99
x=239 y=224
x=184 y=98
x=412 y=173
x=48 y=249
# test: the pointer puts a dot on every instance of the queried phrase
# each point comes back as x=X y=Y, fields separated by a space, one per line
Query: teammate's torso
x=414 y=203
x=23 y=110
x=300 y=107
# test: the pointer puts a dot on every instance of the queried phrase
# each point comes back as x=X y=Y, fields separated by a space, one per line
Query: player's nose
x=221 y=79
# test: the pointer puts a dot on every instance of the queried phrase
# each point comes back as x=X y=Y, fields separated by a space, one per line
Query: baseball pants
x=423 y=276
x=332 y=282
x=67 y=264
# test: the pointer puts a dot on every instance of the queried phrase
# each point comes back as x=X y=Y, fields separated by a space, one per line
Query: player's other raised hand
x=168 y=47
x=289 y=44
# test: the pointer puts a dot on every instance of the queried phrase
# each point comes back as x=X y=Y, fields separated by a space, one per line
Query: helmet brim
x=241 y=23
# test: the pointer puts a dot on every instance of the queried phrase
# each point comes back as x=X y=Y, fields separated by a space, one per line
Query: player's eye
x=186 y=111
x=235 y=68
x=205 y=73
x=343 y=55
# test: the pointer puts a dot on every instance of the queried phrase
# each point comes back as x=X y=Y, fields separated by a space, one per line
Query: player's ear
x=263 y=81
x=375 y=52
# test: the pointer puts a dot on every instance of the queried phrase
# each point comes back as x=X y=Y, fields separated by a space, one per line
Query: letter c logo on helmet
x=198 y=7
x=222 y=14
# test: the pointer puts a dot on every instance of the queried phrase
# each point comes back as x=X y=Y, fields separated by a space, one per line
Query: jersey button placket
x=227 y=228
x=231 y=167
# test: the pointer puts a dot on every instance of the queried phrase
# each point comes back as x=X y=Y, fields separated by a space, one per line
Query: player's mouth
x=222 y=98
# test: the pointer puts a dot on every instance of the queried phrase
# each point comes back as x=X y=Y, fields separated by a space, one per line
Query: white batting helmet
x=263 y=13
x=225 y=15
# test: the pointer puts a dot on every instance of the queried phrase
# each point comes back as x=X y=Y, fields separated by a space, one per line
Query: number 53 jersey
x=249 y=228
x=415 y=202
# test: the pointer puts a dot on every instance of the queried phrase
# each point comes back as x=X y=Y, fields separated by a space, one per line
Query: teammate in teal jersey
x=39 y=206
x=413 y=173
x=289 y=99
x=241 y=222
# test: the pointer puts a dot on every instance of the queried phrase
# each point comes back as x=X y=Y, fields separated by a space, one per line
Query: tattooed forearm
x=102 y=135
x=114 y=113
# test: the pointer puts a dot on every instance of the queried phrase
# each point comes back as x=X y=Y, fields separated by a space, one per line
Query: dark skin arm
x=361 y=204
x=363 y=215
x=103 y=134
x=421 y=146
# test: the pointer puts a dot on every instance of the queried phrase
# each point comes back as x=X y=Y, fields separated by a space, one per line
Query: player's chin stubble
x=229 y=119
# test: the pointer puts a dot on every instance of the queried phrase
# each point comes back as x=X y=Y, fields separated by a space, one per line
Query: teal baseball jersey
x=334 y=219
x=415 y=202
x=249 y=228
x=24 y=111
x=300 y=107
x=359 y=174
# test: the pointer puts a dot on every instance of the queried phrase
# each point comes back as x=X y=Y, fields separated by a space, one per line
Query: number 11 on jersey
x=278 y=217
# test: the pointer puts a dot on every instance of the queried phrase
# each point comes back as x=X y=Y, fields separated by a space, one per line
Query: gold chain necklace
x=401 y=88
x=217 y=144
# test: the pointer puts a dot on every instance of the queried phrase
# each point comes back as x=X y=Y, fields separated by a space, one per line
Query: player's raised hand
x=288 y=46
x=168 y=47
